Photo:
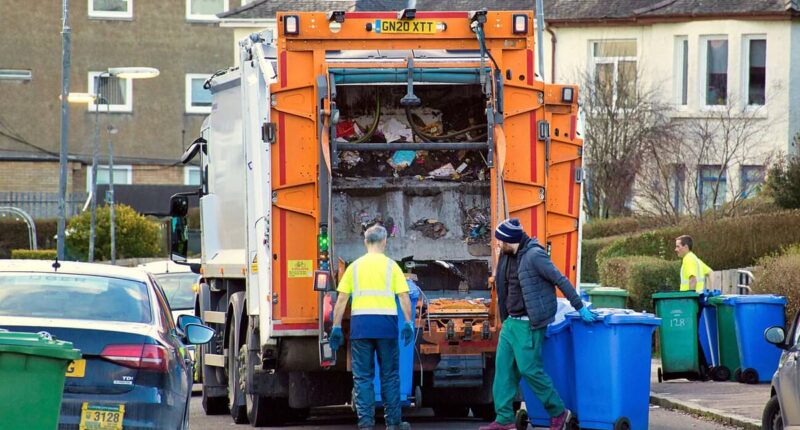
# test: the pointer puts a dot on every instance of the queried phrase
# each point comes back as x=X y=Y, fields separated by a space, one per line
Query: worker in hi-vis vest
x=694 y=273
x=373 y=281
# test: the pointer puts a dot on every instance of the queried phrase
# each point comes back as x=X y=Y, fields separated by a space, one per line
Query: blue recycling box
x=612 y=368
x=754 y=314
x=559 y=364
x=406 y=352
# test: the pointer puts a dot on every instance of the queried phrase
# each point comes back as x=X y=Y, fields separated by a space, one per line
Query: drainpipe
x=553 y=42
x=540 y=38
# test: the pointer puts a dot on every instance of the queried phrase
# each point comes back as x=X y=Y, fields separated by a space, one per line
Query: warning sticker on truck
x=300 y=269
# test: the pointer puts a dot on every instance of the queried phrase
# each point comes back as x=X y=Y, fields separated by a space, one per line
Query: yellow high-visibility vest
x=373 y=281
x=693 y=266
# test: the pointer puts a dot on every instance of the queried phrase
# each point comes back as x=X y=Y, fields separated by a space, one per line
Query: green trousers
x=519 y=355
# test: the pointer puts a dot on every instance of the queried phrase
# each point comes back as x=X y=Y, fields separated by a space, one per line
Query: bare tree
x=624 y=118
x=692 y=174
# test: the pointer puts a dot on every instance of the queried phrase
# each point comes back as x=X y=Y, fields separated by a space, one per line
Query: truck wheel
x=451 y=411
x=485 y=412
x=772 y=419
x=214 y=405
x=236 y=400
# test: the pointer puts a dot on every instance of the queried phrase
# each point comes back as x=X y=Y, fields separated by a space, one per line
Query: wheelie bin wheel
x=750 y=376
x=737 y=375
x=622 y=423
x=573 y=423
x=722 y=373
x=660 y=376
x=522 y=419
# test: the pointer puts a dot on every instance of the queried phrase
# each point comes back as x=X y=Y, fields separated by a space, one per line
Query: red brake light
x=144 y=357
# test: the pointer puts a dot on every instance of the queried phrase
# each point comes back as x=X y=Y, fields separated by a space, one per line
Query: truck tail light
x=520 y=24
x=322 y=280
x=291 y=25
x=142 y=357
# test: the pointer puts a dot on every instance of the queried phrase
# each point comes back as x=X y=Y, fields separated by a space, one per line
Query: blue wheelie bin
x=612 y=369
x=559 y=363
x=406 y=352
x=707 y=333
x=754 y=314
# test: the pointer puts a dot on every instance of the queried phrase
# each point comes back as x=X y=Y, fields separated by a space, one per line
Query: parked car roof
x=73 y=267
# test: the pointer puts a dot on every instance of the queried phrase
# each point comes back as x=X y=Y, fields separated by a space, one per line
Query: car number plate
x=76 y=369
x=405 y=26
x=101 y=417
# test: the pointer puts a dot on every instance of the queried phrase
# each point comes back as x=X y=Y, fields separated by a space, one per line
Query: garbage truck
x=433 y=124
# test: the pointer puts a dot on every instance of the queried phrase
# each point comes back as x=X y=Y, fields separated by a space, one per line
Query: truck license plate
x=101 y=417
x=405 y=26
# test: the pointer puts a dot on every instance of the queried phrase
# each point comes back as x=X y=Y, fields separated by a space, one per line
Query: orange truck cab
x=433 y=124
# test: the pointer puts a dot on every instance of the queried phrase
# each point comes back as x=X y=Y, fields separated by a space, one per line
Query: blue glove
x=336 y=338
x=587 y=315
x=407 y=333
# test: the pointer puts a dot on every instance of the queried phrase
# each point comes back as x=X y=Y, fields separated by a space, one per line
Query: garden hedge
x=29 y=254
x=641 y=276
x=14 y=235
x=589 y=250
x=780 y=274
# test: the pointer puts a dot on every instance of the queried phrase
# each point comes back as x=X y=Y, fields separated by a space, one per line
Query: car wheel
x=236 y=400
x=772 y=419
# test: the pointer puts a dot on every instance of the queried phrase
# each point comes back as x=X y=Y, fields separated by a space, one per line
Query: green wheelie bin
x=609 y=297
x=33 y=368
x=678 y=343
x=726 y=336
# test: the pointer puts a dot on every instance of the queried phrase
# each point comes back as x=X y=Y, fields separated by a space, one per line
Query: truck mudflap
x=459 y=371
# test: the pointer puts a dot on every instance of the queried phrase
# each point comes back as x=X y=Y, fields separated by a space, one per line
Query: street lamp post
x=110 y=198
x=66 y=37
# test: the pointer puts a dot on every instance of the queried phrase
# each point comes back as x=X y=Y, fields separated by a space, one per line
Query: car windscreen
x=178 y=289
x=69 y=296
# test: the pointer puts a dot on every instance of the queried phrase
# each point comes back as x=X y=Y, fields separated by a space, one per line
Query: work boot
x=402 y=426
x=497 y=426
x=560 y=422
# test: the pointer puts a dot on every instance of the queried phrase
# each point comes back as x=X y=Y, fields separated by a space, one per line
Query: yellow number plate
x=408 y=27
x=102 y=417
x=76 y=369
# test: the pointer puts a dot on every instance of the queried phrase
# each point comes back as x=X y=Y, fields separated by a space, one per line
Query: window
x=114 y=9
x=15 y=75
x=716 y=71
x=751 y=178
x=205 y=10
x=122 y=175
x=198 y=99
x=191 y=175
x=682 y=70
x=755 y=70
x=713 y=187
x=116 y=94
x=677 y=188
x=615 y=70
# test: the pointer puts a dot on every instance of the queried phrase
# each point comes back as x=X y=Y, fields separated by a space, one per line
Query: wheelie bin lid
x=608 y=291
x=557 y=327
x=620 y=316
x=37 y=344
x=769 y=299
x=719 y=300
x=675 y=295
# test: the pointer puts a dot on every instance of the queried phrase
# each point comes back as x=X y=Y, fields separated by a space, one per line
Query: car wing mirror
x=184 y=320
x=776 y=335
x=198 y=334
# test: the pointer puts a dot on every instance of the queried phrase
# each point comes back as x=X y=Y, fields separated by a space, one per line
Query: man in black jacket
x=526 y=279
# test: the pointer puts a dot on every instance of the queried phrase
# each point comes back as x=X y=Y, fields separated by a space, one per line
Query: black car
x=135 y=372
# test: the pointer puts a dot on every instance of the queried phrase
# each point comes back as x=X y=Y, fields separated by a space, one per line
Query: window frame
x=746 y=39
x=126 y=108
x=719 y=178
x=594 y=61
x=16 y=75
x=743 y=182
x=681 y=71
x=187 y=172
x=127 y=167
x=204 y=18
x=703 y=69
x=93 y=14
x=189 y=107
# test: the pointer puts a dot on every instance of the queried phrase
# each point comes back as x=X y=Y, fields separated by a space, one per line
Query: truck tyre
x=214 y=405
x=236 y=399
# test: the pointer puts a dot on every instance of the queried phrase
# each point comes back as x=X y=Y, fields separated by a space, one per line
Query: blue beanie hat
x=509 y=231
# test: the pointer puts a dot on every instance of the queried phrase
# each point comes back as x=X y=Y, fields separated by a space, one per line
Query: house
x=703 y=58
x=150 y=121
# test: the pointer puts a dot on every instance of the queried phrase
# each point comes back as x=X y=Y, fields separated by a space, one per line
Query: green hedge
x=29 y=254
x=622 y=225
x=589 y=250
x=14 y=235
x=727 y=243
x=641 y=277
x=780 y=274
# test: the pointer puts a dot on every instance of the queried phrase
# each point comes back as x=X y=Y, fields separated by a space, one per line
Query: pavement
x=730 y=403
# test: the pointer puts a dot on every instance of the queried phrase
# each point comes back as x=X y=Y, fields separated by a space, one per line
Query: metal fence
x=43 y=205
